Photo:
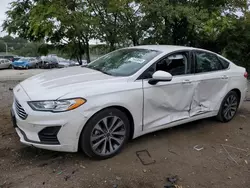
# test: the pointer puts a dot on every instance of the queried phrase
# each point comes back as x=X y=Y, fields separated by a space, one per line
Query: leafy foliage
x=71 y=24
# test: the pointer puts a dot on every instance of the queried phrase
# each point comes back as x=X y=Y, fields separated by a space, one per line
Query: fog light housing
x=48 y=135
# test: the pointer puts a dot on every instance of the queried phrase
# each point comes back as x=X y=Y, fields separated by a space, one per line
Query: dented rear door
x=212 y=83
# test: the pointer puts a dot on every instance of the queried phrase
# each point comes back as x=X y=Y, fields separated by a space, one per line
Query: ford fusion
x=123 y=95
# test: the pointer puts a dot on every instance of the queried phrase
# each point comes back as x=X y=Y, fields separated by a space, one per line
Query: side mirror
x=160 y=76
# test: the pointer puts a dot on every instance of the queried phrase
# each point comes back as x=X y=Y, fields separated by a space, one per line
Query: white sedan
x=123 y=95
x=5 y=64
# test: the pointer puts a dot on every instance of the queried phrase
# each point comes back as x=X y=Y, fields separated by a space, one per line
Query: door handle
x=224 y=77
x=186 y=82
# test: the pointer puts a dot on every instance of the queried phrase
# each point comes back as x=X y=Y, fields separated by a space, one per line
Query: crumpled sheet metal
x=170 y=103
x=207 y=98
x=167 y=104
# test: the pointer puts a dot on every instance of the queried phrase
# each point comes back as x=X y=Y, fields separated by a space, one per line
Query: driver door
x=167 y=102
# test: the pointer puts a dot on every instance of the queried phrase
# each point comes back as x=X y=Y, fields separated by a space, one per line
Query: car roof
x=164 y=48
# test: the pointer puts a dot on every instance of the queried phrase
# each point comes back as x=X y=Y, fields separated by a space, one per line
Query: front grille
x=20 y=111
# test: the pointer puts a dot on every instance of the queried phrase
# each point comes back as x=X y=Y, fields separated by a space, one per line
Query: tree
x=2 y=46
x=57 y=21
x=235 y=42
x=172 y=22
x=70 y=24
x=107 y=15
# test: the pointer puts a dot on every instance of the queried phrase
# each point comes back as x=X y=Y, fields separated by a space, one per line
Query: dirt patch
x=222 y=163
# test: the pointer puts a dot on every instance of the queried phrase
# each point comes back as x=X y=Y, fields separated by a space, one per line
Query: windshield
x=123 y=62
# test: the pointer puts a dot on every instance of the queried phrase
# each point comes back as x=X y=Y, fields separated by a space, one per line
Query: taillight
x=246 y=75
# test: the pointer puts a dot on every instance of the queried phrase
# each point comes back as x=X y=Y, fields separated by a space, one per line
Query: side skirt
x=176 y=123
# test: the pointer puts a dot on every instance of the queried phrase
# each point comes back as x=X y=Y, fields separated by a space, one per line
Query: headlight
x=57 y=105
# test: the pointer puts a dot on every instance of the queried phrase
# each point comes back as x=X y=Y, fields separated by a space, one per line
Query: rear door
x=212 y=82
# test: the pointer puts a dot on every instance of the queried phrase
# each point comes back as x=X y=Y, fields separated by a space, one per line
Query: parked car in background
x=84 y=62
x=16 y=58
x=5 y=64
x=63 y=63
x=123 y=95
x=49 y=62
x=9 y=57
x=39 y=61
x=25 y=63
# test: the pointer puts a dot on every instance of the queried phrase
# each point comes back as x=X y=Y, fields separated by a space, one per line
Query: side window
x=206 y=62
x=176 y=64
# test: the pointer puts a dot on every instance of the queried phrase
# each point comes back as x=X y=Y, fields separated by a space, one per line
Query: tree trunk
x=78 y=60
x=87 y=51
x=135 y=41
x=80 y=52
x=112 y=46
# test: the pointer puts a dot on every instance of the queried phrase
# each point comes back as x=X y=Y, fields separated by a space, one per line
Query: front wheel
x=229 y=107
x=105 y=134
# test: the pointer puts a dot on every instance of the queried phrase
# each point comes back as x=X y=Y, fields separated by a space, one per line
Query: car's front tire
x=229 y=107
x=105 y=134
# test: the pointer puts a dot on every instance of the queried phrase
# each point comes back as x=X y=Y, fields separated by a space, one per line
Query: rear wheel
x=105 y=134
x=229 y=107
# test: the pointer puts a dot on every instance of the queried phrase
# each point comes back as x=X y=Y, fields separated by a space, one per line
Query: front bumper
x=47 y=130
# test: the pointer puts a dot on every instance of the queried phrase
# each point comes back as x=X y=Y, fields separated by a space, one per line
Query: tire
x=110 y=142
x=227 y=113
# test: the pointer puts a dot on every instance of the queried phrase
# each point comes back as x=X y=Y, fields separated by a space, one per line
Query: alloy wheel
x=230 y=107
x=108 y=135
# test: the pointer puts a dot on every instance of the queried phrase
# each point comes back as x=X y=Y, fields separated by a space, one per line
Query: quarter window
x=207 y=62
x=224 y=63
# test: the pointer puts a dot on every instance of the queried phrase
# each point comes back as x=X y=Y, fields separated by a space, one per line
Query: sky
x=3 y=8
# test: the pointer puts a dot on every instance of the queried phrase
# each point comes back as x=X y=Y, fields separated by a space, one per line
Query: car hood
x=54 y=84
